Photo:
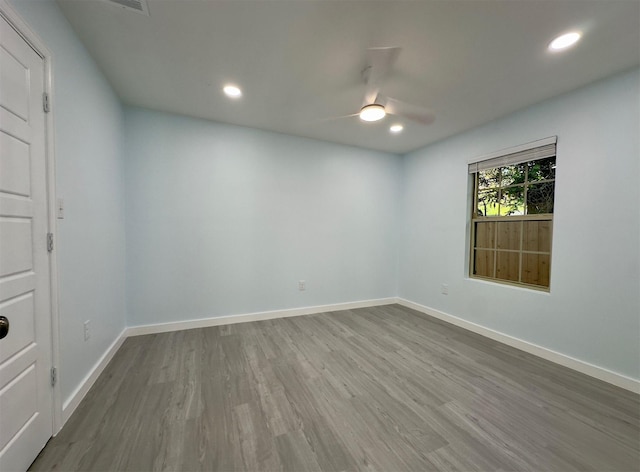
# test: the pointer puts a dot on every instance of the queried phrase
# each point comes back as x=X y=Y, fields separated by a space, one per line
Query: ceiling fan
x=376 y=106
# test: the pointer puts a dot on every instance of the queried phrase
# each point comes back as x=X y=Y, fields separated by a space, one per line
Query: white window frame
x=534 y=150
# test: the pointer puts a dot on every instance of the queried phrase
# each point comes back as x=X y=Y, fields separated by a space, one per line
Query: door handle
x=4 y=326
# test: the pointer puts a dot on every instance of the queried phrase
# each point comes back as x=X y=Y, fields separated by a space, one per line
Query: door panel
x=13 y=397
x=15 y=89
x=16 y=169
x=25 y=353
x=16 y=233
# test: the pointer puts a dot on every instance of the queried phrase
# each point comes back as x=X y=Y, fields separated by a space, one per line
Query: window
x=512 y=217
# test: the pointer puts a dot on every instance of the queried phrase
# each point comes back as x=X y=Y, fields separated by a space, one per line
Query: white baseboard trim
x=258 y=316
x=595 y=371
x=71 y=403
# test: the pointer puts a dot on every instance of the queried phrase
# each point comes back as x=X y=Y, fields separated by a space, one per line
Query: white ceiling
x=299 y=61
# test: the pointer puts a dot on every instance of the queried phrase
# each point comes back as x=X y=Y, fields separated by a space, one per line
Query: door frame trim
x=8 y=12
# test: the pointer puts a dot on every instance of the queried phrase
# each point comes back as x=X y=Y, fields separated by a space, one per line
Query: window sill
x=508 y=284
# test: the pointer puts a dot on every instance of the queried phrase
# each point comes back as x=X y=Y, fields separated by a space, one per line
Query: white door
x=25 y=353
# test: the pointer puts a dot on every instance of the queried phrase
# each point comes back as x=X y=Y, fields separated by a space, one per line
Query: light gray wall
x=225 y=220
x=89 y=176
x=593 y=310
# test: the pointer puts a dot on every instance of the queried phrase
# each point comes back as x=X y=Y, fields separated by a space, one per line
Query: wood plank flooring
x=373 y=389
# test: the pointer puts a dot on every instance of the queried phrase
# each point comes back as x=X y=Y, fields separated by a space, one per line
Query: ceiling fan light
x=564 y=41
x=372 y=113
x=232 y=91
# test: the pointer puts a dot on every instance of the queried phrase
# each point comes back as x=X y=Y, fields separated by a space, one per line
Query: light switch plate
x=60 y=209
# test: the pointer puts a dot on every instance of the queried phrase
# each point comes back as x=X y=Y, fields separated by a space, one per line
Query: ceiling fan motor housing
x=373 y=112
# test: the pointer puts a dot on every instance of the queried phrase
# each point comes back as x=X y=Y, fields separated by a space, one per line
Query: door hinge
x=54 y=376
x=49 y=242
x=45 y=102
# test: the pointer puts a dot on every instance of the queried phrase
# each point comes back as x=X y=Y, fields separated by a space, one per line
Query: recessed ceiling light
x=232 y=91
x=396 y=128
x=372 y=113
x=564 y=41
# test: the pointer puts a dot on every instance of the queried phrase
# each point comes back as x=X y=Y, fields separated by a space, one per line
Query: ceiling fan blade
x=333 y=118
x=412 y=112
x=379 y=63
x=371 y=94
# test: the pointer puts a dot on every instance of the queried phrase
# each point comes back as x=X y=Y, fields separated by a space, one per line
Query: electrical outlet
x=302 y=285
x=87 y=330
x=445 y=289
